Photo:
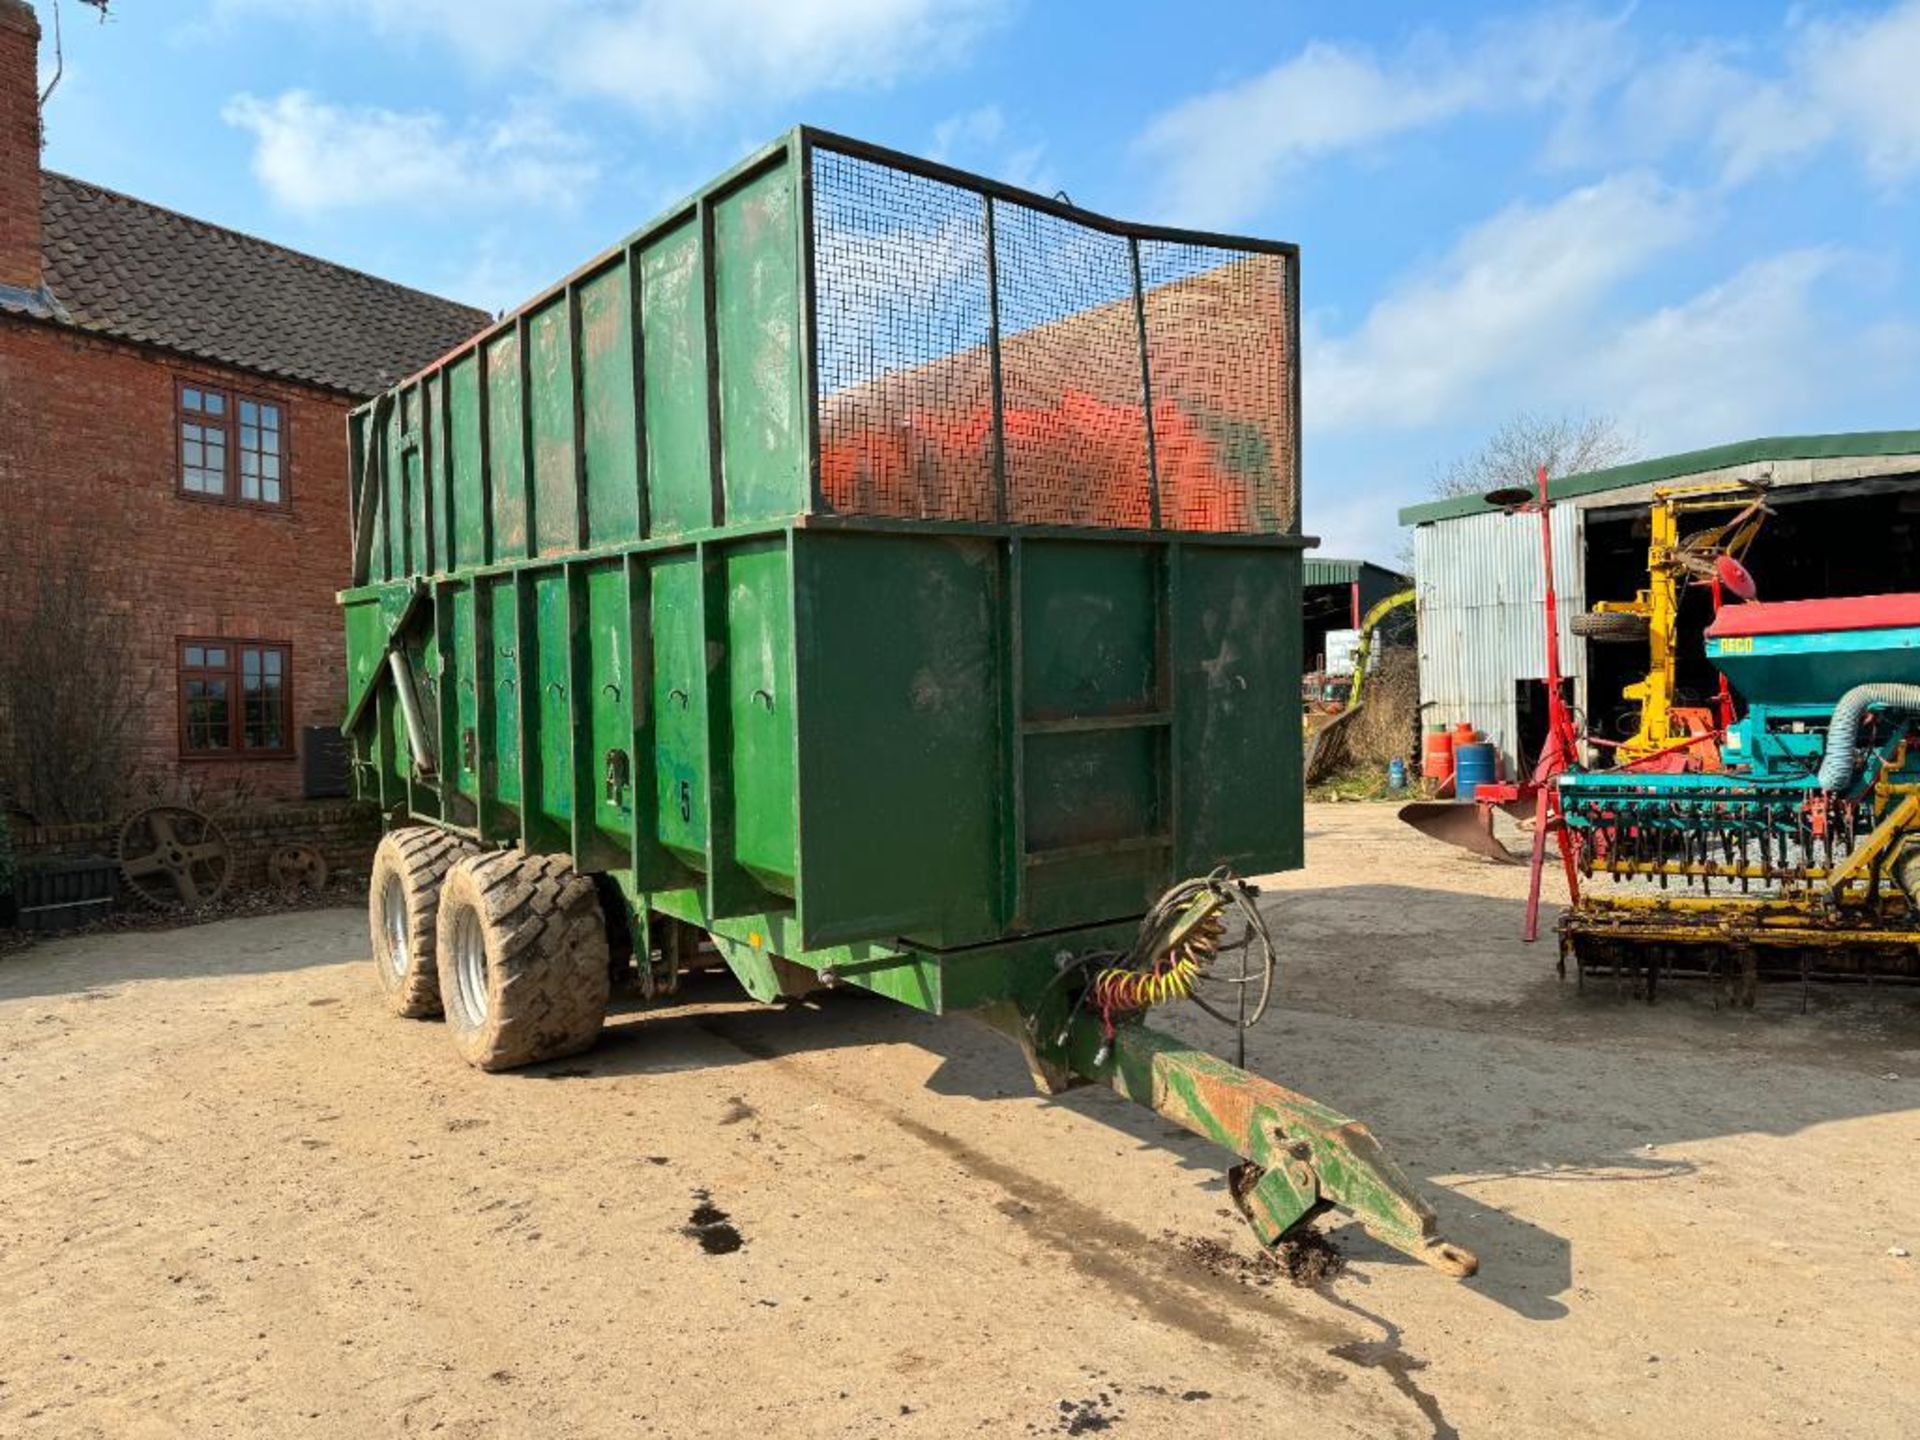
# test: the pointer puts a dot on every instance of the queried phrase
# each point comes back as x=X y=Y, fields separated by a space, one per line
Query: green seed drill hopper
x=872 y=575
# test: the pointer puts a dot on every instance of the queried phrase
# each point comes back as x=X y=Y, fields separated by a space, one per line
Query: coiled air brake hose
x=1173 y=958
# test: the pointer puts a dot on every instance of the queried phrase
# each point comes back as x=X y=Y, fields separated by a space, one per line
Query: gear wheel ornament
x=175 y=857
x=296 y=868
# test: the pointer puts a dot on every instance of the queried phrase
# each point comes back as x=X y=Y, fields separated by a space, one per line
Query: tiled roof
x=139 y=272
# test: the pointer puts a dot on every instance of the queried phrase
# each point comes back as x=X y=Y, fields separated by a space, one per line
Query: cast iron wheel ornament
x=175 y=857
x=297 y=868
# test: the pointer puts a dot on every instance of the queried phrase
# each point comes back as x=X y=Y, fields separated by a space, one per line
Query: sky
x=1700 y=219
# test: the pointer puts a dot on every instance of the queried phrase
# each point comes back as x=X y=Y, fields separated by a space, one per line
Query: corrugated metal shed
x=1482 y=615
x=1365 y=581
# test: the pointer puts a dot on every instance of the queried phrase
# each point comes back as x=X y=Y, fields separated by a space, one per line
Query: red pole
x=1562 y=746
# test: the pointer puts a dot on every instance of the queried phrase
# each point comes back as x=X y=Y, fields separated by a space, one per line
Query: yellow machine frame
x=1363 y=651
x=1672 y=560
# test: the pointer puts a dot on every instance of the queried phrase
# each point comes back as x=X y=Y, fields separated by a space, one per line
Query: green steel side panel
x=900 y=766
x=556 y=494
x=674 y=325
x=1100 y=787
x=680 y=706
x=1093 y=731
x=461 y=763
x=608 y=418
x=553 y=746
x=506 y=456
x=500 y=762
x=757 y=303
x=366 y=642
x=463 y=457
x=412 y=557
x=1237 y=720
x=1089 y=617
x=760 y=700
x=608 y=644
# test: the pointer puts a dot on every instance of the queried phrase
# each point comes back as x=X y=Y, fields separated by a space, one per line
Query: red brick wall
x=19 y=146
x=88 y=448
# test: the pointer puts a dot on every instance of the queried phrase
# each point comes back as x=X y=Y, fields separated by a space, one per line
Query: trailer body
x=890 y=574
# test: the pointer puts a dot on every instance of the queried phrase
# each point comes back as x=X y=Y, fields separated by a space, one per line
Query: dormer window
x=232 y=446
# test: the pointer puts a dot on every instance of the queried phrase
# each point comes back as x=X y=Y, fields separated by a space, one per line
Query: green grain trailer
x=875 y=575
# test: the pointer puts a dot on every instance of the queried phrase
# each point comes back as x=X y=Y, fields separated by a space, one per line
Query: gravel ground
x=238 y=1199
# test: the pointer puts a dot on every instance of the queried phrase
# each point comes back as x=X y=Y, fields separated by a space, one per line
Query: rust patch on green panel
x=463 y=458
x=606 y=382
x=673 y=310
x=556 y=494
x=505 y=457
x=757 y=292
x=501 y=762
x=463 y=764
x=680 y=706
x=555 y=703
x=761 y=713
x=611 y=765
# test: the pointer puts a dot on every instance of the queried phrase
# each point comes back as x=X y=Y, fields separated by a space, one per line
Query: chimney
x=19 y=146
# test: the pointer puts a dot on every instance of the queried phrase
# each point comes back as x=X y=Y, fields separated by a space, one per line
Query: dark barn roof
x=139 y=272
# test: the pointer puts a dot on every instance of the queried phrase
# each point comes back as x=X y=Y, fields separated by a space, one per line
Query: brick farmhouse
x=173 y=399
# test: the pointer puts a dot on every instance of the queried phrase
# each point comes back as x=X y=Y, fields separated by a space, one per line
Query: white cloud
x=983 y=141
x=1756 y=354
x=1866 y=74
x=1223 y=153
x=314 y=156
x=680 y=59
x=1746 y=356
x=1513 y=293
x=1842 y=82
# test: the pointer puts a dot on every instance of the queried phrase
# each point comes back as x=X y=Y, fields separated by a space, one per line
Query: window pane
x=270 y=491
x=270 y=416
x=217 y=659
x=248 y=412
x=265 y=711
x=249 y=438
x=250 y=665
x=196 y=656
x=190 y=399
x=273 y=660
x=208 y=725
x=215 y=402
x=249 y=463
x=270 y=466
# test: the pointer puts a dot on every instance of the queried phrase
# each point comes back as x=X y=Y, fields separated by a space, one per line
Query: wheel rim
x=470 y=964
x=393 y=919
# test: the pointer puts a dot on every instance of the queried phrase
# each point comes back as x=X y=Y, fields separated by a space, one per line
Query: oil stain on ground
x=710 y=1226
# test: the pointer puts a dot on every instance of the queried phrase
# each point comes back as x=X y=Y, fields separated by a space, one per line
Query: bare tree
x=72 y=691
x=1567 y=444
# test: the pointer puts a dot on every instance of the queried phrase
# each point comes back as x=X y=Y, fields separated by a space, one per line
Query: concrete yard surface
x=238 y=1199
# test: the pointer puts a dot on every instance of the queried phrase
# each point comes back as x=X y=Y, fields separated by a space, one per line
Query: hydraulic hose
x=1842 y=760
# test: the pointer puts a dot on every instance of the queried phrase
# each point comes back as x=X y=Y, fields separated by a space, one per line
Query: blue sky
x=1701 y=218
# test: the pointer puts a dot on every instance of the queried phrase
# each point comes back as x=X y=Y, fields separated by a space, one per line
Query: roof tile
x=127 y=268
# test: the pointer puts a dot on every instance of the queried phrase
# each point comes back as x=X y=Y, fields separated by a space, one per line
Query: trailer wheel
x=1610 y=627
x=403 y=904
x=523 y=959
